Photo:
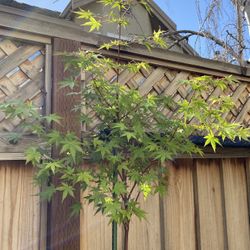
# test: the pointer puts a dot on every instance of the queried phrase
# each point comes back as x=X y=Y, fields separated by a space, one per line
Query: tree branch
x=204 y=34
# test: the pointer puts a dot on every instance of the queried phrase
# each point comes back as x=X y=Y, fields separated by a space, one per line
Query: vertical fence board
x=95 y=231
x=179 y=208
x=247 y=162
x=236 y=204
x=210 y=205
x=145 y=235
x=19 y=208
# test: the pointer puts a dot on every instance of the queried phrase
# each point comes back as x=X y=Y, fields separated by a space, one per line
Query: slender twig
x=138 y=195
x=204 y=34
x=131 y=191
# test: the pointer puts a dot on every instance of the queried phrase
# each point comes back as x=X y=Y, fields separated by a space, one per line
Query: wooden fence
x=207 y=205
x=22 y=215
x=206 y=208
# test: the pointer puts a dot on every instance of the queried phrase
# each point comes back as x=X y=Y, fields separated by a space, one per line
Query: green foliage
x=157 y=38
x=33 y=155
x=91 y=21
x=114 y=43
x=124 y=155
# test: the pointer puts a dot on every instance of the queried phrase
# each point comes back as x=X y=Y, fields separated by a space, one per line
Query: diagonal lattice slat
x=21 y=76
x=159 y=80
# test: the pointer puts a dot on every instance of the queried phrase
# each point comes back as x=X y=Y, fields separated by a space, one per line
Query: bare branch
x=205 y=34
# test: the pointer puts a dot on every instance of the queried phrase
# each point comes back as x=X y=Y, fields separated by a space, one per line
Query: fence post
x=63 y=230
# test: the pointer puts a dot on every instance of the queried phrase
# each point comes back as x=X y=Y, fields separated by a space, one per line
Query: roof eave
x=67 y=11
x=156 y=10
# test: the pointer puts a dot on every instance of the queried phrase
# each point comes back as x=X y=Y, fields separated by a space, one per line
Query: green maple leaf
x=93 y=24
x=119 y=188
x=33 y=155
x=212 y=140
x=53 y=166
x=52 y=118
x=66 y=190
x=85 y=177
x=71 y=145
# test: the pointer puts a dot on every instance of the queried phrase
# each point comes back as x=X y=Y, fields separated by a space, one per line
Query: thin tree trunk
x=240 y=37
x=126 y=232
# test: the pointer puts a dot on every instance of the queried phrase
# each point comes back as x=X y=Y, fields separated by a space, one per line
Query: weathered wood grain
x=151 y=80
x=247 y=167
x=179 y=208
x=236 y=204
x=210 y=204
x=16 y=58
x=21 y=78
x=64 y=231
x=19 y=207
x=20 y=147
x=7 y=86
x=173 y=86
x=25 y=36
x=146 y=235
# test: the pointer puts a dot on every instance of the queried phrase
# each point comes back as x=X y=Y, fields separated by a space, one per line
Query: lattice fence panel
x=164 y=81
x=21 y=76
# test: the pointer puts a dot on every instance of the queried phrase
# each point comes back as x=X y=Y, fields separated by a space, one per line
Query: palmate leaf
x=112 y=44
x=84 y=14
x=54 y=137
x=33 y=155
x=146 y=189
x=53 y=166
x=67 y=190
x=85 y=177
x=52 y=118
x=136 y=210
x=129 y=135
x=146 y=5
x=136 y=67
x=120 y=125
x=212 y=140
x=71 y=145
x=93 y=23
x=158 y=39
